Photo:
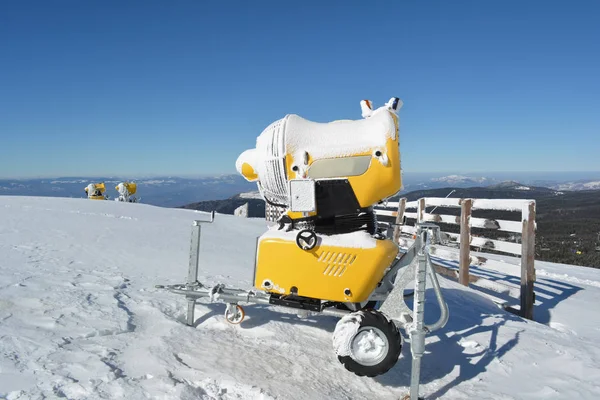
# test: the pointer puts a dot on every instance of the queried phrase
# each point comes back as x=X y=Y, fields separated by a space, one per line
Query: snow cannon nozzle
x=395 y=104
x=366 y=107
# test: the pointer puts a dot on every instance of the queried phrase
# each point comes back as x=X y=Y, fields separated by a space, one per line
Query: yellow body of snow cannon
x=95 y=191
x=332 y=271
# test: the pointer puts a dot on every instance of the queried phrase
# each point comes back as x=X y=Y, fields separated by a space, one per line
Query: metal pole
x=417 y=334
x=192 y=281
x=445 y=198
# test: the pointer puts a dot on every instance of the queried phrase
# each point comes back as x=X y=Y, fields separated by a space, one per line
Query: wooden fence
x=416 y=211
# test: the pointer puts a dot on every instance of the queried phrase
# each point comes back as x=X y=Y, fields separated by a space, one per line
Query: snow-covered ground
x=80 y=319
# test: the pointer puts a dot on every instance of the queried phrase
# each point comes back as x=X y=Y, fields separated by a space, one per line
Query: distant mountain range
x=581 y=185
x=256 y=205
x=177 y=191
x=159 y=191
x=460 y=181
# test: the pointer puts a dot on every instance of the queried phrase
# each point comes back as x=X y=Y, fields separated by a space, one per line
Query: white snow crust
x=247 y=157
x=338 y=138
x=359 y=239
x=345 y=330
x=80 y=319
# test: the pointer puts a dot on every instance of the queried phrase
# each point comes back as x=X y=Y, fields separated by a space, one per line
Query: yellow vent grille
x=336 y=263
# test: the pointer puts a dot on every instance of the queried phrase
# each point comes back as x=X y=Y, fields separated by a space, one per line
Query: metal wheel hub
x=369 y=346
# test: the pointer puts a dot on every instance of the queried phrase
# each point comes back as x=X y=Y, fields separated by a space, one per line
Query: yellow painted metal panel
x=324 y=272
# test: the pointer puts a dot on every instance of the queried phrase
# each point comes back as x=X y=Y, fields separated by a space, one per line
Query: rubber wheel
x=235 y=317
x=374 y=327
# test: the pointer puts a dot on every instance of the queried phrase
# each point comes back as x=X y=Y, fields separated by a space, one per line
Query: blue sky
x=157 y=87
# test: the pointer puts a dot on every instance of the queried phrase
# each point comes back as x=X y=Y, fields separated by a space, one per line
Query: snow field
x=80 y=319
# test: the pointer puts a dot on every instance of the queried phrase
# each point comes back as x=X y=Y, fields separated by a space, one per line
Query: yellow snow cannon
x=126 y=191
x=328 y=254
x=326 y=177
x=95 y=191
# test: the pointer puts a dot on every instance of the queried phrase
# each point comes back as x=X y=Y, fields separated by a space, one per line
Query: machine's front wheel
x=367 y=343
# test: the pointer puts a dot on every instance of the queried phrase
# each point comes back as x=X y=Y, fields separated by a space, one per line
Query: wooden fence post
x=528 y=260
x=399 y=219
x=465 y=241
x=421 y=210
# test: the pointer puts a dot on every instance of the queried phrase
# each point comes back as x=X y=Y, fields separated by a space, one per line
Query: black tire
x=375 y=319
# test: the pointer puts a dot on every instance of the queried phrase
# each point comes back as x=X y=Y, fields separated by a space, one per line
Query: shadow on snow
x=453 y=348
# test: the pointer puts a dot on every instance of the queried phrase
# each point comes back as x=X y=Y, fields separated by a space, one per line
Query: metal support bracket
x=395 y=306
x=192 y=280
x=391 y=290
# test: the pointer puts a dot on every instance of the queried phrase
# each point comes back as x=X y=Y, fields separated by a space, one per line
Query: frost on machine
x=327 y=253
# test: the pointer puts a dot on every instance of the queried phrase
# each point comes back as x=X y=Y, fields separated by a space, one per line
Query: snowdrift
x=80 y=318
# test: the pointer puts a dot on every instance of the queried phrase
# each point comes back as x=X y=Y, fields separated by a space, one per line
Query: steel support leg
x=192 y=280
x=418 y=331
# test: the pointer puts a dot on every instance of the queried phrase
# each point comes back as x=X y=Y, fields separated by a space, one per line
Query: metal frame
x=395 y=306
x=390 y=292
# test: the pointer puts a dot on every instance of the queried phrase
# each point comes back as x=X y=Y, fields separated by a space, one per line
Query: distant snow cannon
x=95 y=191
x=126 y=191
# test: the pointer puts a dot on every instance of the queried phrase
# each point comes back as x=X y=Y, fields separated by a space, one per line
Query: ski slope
x=80 y=319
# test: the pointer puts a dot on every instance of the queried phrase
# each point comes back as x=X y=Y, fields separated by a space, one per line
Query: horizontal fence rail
x=524 y=228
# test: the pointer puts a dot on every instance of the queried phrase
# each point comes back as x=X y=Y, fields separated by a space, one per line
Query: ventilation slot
x=337 y=263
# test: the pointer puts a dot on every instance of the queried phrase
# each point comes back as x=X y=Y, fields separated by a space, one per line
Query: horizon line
x=221 y=174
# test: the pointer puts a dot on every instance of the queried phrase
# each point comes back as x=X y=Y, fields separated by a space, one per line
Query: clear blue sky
x=149 y=87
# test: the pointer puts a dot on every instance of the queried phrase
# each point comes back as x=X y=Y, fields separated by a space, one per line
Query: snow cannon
x=325 y=177
x=328 y=254
x=95 y=191
x=126 y=191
